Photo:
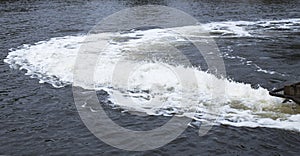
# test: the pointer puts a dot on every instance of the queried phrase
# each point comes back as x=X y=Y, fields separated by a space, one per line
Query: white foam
x=229 y=28
x=154 y=86
x=50 y=61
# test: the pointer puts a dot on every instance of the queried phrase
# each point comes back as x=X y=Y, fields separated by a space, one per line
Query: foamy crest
x=153 y=86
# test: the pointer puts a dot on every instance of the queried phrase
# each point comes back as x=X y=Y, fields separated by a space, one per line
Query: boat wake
x=153 y=86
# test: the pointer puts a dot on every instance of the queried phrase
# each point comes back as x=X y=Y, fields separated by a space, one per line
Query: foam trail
x=154 y=86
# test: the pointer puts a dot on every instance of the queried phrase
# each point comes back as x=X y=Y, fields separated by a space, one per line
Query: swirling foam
x=53 y=61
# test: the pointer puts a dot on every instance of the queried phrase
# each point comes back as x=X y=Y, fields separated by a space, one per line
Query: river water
x=258 y=41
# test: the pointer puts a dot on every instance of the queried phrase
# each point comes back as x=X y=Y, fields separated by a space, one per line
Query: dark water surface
x=38 y=119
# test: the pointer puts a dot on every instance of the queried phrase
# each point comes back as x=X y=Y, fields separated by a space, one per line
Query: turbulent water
x=258 y=41
x=53 y=61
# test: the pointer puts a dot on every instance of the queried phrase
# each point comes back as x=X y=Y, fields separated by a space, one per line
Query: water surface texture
x=258 y=40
